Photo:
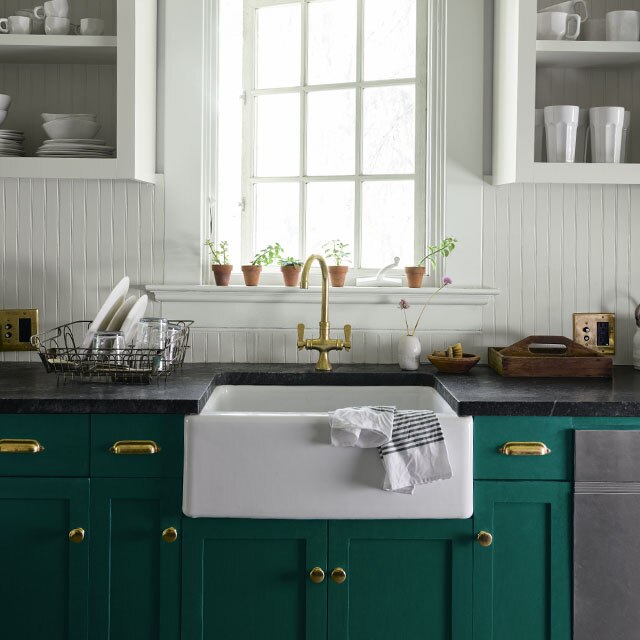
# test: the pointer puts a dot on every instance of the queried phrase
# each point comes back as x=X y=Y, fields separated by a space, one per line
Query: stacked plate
x=11 y=143
x=72 y=135
x=74 y=148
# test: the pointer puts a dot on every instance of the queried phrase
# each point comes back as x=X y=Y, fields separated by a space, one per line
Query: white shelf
x=585 y=172
x=58 y=168
x=58 y=49
x=564 y=53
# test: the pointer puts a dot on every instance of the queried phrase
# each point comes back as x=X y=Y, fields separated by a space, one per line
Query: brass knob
x=338 y=575
x=316 y=575
x=76 y=535
x=485 y=539
x=170 y=535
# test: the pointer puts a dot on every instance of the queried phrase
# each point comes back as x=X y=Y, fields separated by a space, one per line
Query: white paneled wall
x=65 y=243
x=554 y=250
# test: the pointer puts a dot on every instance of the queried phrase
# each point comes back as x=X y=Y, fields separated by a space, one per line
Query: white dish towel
x=410 y=442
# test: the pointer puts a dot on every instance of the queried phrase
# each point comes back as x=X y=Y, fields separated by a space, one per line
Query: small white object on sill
x=380 y=280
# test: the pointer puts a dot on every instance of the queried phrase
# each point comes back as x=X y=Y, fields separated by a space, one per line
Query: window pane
x=277 y=220
x=332 y=42
x=389 y=39
x=387 y=222
x=278 y=47
x=278 y=135
x=388 y=144
x=330 y=207
x=331 y=133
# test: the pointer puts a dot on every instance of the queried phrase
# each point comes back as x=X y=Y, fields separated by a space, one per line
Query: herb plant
x=290 y=262
x=337 y=250
x=219 y=253
x=445 y=248
x=270 y=254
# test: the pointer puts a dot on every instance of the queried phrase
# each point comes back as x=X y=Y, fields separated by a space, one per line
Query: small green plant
x=446 y=247
x=267 y=256
x=337 y=250
x=219 y=253
x=290 y=262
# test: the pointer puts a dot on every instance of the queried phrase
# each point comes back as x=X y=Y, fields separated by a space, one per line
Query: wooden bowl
x=454 y=365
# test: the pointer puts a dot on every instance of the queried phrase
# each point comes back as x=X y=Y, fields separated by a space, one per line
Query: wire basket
x=60 y=354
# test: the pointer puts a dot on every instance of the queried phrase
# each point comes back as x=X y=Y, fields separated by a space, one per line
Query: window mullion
x=304 y=62
x=357 y=218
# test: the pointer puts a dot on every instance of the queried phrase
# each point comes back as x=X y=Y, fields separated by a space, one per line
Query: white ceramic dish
x=71 y=128
x=48 y=117
x=121 y=314
x=5 y=101
x=3 y=115
x=107 y=310
x=130 y=324
x=93 y=141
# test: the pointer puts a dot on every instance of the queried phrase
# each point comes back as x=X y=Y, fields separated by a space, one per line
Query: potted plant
x=263 y=258
x=220 y=262
x=336 y=250
x=290 y=268
x=416 y=274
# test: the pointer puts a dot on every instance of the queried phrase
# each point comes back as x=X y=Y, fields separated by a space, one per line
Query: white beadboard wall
x=65 y=243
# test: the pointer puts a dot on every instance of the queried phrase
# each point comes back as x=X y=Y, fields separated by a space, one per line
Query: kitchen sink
x=261 y=451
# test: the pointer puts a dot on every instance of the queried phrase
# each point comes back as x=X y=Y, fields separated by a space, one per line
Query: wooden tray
x=558 y=358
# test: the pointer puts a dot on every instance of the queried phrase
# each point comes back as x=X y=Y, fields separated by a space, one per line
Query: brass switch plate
x=596 y=331
x=16 y=328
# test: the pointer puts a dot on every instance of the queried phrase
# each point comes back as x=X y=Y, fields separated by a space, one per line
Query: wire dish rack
x=60 y=354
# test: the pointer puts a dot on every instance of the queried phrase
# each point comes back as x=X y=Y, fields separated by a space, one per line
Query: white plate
x=9 y=154
x=72 y=154
x=107 y=311
x=75 y=147
x=10 y=145
x=91 y=141
x=121 y=314
x=130 y=325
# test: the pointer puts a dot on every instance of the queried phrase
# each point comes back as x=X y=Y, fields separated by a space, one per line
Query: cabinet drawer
x=44 y=445
x=124 y=446
x=491 y=434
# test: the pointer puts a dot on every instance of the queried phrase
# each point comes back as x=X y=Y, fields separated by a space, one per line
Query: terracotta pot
x=414 y=276
x=337 y=275
x=291 y=275
x=222 y=274
x=251 y=274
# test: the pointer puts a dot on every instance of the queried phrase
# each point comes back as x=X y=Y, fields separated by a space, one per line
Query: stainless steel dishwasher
x=606 y=547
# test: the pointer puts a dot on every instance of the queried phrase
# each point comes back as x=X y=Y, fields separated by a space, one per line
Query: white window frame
x=250 y=93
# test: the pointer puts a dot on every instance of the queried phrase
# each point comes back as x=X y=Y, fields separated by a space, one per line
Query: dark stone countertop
x=26 y=388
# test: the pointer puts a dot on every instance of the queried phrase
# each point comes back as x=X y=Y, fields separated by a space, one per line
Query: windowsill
x=344 y=295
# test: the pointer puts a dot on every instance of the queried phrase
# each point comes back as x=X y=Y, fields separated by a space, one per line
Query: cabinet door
x=43 y=590
x=522 y=582
x=248 y=579
x=409 y=579
x=135 y=572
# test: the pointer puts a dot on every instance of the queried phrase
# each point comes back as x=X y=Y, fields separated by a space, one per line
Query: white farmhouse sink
x=265 y=452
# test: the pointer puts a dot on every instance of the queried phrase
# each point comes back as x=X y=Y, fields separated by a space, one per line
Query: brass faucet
x=324 y=343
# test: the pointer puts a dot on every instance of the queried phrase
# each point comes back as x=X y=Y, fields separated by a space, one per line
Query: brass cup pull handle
x=134 y=447
x=301 y=340
x=485 y=539
x=169 y=535
x=76 y=535
x=347 y=337
x=338 y=575
x=316 y=575
x=524 y=449
x=20 y=446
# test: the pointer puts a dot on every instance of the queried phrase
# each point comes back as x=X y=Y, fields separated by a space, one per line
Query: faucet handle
x=347 y=337
x=301 y=340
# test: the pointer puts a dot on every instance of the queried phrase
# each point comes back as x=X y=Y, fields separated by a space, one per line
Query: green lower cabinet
x=45 y=576
x=135 y=569
x=249 y=579
x=406 y=579
x=522 y=581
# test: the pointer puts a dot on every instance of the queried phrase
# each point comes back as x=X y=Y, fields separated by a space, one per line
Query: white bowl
x=48 y=117
x=5 y=102
x=3 y=115
x=71 y=128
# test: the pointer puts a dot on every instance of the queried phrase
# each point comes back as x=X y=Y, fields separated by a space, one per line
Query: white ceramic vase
x=636 y=349
x=409 y=350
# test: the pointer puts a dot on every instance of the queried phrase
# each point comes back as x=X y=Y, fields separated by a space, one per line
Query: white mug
x=539 y=150
x=561 y=123
x=57 y=26
x=37 y=25
x=623 y=26
x=15 y=24
x=626 y=130
x=556 y=25
x=53 y=9
x=91 y=27
x=571 y=6
x=605 y=128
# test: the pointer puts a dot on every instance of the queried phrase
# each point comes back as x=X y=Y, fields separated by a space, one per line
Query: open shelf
x=586 y=172
x=564 y=53
x=41 y=49
x=106 y=168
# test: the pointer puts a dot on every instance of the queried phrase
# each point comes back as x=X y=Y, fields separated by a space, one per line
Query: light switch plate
x=16 y=328
x=596 y=331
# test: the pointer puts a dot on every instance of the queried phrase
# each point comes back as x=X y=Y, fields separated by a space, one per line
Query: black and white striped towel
x=416 y=454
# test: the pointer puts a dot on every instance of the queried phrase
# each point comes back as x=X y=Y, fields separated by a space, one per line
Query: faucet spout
x=304 y=284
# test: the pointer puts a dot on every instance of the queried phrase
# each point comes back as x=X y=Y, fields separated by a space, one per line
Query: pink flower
x=403 y=304
x=446 y=280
